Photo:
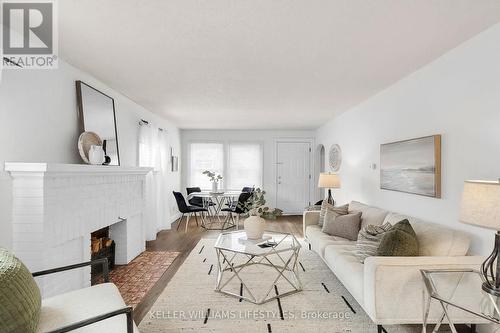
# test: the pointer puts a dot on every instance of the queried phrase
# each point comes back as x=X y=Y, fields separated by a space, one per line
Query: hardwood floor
x=184 y=242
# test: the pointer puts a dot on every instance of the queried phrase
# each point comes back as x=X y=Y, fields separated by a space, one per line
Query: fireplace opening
x=101 y=246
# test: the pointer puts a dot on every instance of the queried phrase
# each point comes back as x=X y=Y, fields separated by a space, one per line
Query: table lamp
x=481 y=207
x=329 y=181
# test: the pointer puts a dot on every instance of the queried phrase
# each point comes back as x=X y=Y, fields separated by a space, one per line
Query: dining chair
x=195 y=201
x=189 y=210
x=198 y=201
x=248 y=189
x=245 y=189
x=236 y=209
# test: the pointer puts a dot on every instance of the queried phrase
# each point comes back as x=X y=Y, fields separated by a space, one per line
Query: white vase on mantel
x=96 y=155
x=214 y=186
x=254 y=227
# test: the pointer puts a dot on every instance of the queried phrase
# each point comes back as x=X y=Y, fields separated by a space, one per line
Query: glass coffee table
x=460 y=297
x=257 y=267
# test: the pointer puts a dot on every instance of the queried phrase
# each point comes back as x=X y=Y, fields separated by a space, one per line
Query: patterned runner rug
x=135 y=279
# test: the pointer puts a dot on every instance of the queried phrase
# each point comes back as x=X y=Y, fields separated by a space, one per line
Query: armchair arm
x=127 y=310
x=309 y=217
x=102 y=261
x=393 y=286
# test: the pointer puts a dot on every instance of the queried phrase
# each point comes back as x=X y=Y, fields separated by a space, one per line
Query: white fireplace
x=57 y=206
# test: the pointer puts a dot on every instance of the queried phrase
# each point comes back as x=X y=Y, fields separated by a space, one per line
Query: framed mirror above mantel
x=96 y=112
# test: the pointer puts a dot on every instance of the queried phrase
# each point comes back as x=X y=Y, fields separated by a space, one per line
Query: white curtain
x=147 y=142
x=153 y=154
x=162 y=181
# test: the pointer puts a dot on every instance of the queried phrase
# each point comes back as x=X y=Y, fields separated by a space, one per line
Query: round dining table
x=220 y=198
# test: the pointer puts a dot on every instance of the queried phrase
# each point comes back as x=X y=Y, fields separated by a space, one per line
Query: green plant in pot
x=214 y=178
x=256 y=212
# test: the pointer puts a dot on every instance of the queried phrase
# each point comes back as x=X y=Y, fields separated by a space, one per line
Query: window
x=239 y=163
x=205 y=156
x=244 y=165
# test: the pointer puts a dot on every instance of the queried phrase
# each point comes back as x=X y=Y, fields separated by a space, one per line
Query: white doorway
x=293 y=175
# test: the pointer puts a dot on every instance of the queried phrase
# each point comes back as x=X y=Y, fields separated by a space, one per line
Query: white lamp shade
x=481 y=204
x=329 y=180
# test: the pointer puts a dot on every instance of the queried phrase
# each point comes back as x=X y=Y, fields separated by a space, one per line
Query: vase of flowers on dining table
x=214 y=178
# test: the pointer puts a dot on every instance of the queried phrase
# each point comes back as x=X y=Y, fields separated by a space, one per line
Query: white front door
x=293 y=176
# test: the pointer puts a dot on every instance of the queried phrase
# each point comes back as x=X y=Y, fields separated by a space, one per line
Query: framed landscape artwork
x=412 y=166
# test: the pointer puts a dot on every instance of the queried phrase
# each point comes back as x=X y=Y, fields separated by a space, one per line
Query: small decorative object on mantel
x=335 y=157
x=96 y=155
x=107 y=159
x=85 y=141
x=257 y=211
x=214 y=178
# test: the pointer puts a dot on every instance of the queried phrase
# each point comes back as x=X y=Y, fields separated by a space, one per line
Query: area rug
x=136 y=278
x=190 y=304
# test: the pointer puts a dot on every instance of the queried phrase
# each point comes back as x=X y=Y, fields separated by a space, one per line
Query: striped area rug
x=190 y=304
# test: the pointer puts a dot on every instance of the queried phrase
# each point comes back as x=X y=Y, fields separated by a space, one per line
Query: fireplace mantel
x=59 y=168
x=55 y=207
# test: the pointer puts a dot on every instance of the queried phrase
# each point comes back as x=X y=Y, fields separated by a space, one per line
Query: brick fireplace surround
x=55 y=207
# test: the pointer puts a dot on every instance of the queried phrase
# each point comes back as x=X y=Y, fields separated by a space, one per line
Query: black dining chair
x=198 y=201
x=236 y=209
x=248 y=189
x=189 y=210
x=195 y=201
x=245 y=189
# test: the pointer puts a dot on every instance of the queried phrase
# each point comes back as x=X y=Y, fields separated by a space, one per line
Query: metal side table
x=460 y=297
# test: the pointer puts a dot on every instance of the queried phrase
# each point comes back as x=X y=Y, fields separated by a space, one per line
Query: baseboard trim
x=173 y=219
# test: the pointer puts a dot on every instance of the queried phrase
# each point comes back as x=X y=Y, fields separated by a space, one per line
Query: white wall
x=266 y=137
x=458 y=96
x=39 y=123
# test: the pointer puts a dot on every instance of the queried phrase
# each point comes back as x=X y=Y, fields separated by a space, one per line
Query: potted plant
x=214 y=178
x=256 y=212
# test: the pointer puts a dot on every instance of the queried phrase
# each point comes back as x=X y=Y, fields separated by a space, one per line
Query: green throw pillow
x=20 y=300
x=399 y=241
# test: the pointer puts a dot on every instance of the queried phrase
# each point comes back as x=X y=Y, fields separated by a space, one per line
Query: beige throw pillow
x=325 y=206
x=345 y=226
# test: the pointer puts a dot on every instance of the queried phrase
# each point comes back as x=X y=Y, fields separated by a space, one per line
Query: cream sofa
x=390 y=289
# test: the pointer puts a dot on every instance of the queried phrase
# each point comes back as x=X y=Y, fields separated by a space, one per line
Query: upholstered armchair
x=99 y=308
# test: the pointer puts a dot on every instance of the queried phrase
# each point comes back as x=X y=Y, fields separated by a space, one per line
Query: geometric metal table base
x=220 y=201
x=287 y=262
x=431 y=292
x=223 y=225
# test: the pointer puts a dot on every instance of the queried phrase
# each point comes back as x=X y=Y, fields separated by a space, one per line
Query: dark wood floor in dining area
x=184 y=242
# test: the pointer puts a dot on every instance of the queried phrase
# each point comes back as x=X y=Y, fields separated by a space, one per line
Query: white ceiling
x=260 y=63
